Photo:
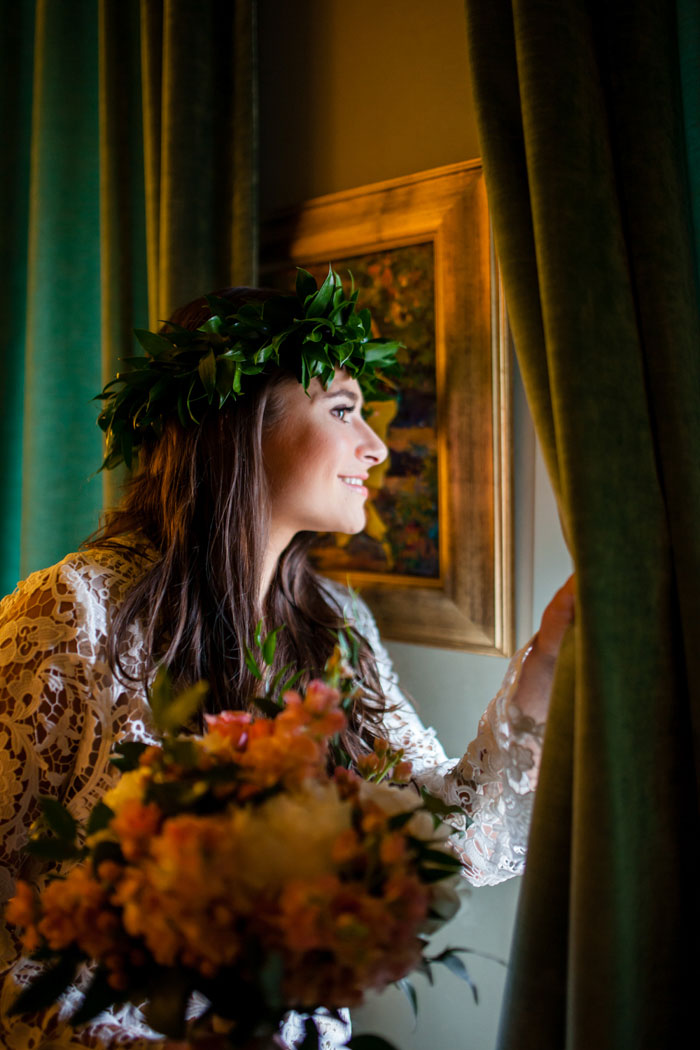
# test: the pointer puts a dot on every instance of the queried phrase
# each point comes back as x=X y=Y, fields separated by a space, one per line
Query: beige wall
x=354 y=93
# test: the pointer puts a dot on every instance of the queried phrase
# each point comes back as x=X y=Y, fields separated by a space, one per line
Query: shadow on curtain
x=128 y=185
x=588 y=117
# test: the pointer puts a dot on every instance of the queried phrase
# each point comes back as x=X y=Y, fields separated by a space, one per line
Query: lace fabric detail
x=62 y=709
x=493 y=783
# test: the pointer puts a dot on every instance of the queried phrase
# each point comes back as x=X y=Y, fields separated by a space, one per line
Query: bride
x=246 y=423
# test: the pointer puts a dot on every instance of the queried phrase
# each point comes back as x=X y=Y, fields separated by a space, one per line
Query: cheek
x=288 y=453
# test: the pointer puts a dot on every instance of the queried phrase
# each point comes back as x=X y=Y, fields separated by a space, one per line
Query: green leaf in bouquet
x=440 y=858
x=271 y=977
x=269 y=708
x=174 y=796
x=171 y=713
x=48 y=986
x=269 y=645
x=99 y=818
x=252 y=664
x=400 y=820
x=257 y=637
x=99 y=996
x=128 y=754
x=168 y=994
x=410 y=992
x=182 y=751
x=106 y=850
x=450 y=958
x=312 y=1038
x=370 y=1042
x=438 y=808
x=57 y=818
x=45 y=848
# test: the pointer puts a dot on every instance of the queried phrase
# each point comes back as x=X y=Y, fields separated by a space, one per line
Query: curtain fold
x=129 y=185
x=581 y=114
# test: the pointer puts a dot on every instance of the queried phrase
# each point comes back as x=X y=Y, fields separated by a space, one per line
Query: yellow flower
x=130 y=788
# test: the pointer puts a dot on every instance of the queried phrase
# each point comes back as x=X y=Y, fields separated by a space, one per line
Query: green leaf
x=106 y=850
x=99 y=818
x=128 y=754
x=291 y=682
x=436 y=805
x=267 y=707
x=47 y=987
x=257 y=637
x=160 y=694
x=171 y=713
x=269 y=645
x=53 y=849
x=454 y=964
x=305 y=285
x=410 y=992
x=58 y=819
x=312 y=1040
x=278 y=677
x=207 y=373
x=400 y=820
x=251 y=663
x=319 y=302
x=184 y=707
x=271 y=978
x=168 y=995
x=183 y=752
x=155 y=345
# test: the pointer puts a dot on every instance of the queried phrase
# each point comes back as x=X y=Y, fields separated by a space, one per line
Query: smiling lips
x=356 y=483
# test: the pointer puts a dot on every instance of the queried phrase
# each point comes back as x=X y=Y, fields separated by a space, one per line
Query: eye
x=341 y=411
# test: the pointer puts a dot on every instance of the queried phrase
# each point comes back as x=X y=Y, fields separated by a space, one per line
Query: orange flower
x=23 y=910
x=136 y=824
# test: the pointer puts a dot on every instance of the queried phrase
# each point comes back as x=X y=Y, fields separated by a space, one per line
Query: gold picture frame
x=466 y=602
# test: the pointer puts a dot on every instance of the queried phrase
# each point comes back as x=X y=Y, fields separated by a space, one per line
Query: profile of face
x=317 y=454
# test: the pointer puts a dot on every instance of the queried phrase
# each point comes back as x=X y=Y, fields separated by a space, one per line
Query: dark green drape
x=588 y=116
x=128 y=186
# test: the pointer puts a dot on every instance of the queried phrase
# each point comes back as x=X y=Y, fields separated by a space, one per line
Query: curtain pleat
x=61 y=446
x=16 y=87
x=201 y=116
x=129 y=187
x=581 y=122
x=123 y=269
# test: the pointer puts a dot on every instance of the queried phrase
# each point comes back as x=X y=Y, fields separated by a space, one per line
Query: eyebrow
x=344 y=392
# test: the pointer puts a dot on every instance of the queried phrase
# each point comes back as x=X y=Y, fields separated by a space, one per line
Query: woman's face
x=317 y=455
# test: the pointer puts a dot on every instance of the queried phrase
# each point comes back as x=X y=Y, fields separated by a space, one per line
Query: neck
x=278 y=539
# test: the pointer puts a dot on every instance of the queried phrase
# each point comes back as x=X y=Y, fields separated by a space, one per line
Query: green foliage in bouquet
x=233 y=864
x=183 y=373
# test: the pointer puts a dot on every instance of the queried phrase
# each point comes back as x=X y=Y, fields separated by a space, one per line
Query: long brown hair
x=200 y=498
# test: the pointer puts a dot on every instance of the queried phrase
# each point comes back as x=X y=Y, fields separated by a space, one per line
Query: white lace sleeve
x=60 y=711
x=493 y=783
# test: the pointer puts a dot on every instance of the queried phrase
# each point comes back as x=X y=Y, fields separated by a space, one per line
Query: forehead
x=343 y=385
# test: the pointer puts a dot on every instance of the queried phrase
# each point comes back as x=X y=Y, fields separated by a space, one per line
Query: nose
x=371 y=449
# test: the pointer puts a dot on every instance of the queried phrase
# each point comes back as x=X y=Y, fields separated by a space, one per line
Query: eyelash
x=342 y=408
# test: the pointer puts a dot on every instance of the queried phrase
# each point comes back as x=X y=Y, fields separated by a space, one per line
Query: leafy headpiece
x=310 y=333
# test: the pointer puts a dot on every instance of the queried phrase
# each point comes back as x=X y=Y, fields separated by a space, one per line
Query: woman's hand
x=558 y=615
x=535 y=685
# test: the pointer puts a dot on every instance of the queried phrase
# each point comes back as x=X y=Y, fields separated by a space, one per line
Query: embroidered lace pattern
x=61 y=710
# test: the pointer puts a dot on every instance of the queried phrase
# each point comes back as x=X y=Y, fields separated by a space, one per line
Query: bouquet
x=235 y=865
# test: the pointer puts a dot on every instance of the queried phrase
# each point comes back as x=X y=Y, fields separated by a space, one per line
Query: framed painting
x=435 y=559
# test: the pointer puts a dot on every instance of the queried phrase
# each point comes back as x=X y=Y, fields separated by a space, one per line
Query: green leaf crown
x=311 y=333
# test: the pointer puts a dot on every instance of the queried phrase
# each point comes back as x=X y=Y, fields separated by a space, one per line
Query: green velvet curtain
x=589 y=123
x=128 y=182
